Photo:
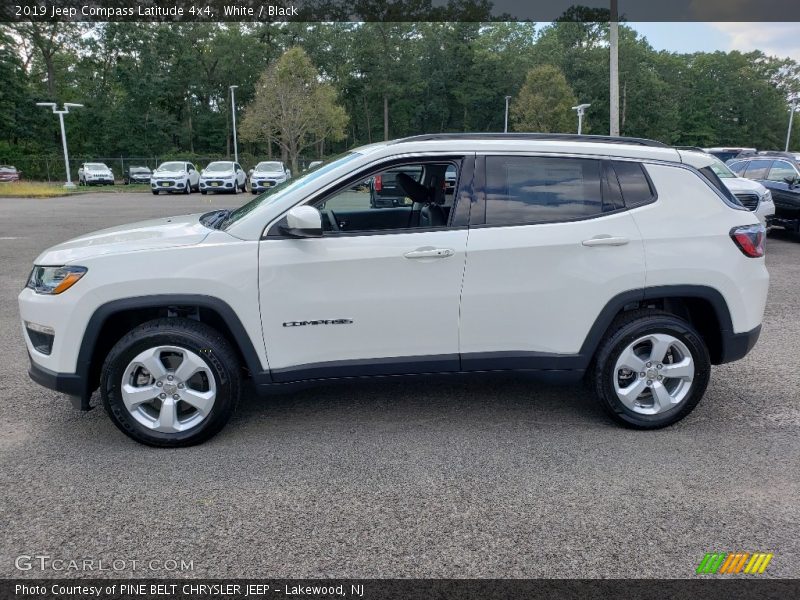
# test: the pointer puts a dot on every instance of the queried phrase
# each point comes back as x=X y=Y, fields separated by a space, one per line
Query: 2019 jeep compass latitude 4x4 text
x=620 y=259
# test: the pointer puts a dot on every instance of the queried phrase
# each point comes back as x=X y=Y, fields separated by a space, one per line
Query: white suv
x=268 y=174
x=175 y=176
x=554 y=255
x=223 y=176
x=94 y=174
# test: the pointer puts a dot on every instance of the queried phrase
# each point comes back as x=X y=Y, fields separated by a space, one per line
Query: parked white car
x=223 y=176
x=175 y=176
x=95 y=174
x=751 y=194
x=267 y=175
x=562 y=256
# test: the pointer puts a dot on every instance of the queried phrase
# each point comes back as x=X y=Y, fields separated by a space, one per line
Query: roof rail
x=566 y=137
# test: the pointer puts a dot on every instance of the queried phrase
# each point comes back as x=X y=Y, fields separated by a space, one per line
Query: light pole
x=61 y=113
x=792 y=110
x=505 y=127
x=613 y=86
x=581 y=110
x=233 y=116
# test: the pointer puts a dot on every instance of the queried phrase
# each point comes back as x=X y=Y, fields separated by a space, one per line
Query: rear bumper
x=737 y=345
x=71 y=384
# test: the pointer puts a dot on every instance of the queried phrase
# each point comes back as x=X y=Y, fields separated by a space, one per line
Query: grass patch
x=33 y=189
x=30 y=189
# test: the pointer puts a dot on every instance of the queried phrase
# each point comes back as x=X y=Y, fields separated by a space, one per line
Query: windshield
x=217 y=167
x=279 y=191
x=140 y=170
x=269 y=166
x=96 y=167
x=722 y=171
x=171 y=166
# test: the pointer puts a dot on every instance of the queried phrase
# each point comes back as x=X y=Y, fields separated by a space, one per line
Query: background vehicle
x=223 y=176
x=268 y=174
x=9 y=173
x=95 y=174
x=566 y=256
x=780 y=174
x=136 y=175
x=726 y=154
x=751 y=194
x=175 y=176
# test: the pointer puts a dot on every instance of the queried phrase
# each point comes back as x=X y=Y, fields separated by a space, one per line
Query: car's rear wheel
x=171 y=382
x=651 y=370
x=155 y=192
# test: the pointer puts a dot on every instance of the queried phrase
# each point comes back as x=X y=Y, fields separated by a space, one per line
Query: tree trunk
x=51 y=75
x=191 y=134
x=369 y=127
x=386 y=118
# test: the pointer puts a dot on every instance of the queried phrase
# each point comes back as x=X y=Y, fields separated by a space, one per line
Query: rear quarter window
x=636 y=187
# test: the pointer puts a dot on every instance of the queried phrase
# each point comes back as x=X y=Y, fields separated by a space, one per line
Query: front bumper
x=262 y=184
x=70 y=384
x=99 y=181
x=214 y=185
x=168 y=185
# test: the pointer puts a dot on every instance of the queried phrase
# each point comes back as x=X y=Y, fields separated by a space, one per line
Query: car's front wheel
x=651 y=370
x=171 y=382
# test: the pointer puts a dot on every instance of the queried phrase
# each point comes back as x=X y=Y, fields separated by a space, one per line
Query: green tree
x=544 y=103
x=293 y=108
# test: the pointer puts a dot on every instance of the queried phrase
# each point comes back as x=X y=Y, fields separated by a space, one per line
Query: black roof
x=566 y=137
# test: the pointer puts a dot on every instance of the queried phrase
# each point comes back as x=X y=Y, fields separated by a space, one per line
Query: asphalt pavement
x=398 y=478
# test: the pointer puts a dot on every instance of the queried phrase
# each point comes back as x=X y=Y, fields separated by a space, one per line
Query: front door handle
x=430 y=253
x=606 y=240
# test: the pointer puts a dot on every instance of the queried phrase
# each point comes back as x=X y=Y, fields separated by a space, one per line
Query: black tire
x=624 y=331
x=203 y=192
x=155 y=192
x=188 y=188
x=191 y=335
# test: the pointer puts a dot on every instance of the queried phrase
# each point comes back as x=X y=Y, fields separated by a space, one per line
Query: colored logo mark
x=734 y=562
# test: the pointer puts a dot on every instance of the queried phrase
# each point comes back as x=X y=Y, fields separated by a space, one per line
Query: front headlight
x=54 y=280
x=766 y=196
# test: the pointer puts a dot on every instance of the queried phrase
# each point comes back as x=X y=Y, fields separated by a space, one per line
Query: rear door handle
x=606 y=240
x=430 y=253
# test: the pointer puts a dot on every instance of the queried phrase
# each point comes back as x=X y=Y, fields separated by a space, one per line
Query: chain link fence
x=51 y=168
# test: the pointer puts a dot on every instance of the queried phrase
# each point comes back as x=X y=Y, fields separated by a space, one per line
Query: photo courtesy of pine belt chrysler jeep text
x=620 y=260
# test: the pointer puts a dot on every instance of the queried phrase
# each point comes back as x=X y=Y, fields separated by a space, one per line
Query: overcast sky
x=778 y=39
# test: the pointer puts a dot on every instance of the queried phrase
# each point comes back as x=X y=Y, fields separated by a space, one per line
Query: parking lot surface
x=395 y=478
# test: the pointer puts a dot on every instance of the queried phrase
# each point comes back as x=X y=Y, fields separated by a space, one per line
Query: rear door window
x=531 y=189
x=758 y=169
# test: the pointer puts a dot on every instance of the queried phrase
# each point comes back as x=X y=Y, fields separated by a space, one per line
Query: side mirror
x=792 y=181
x=303 y=222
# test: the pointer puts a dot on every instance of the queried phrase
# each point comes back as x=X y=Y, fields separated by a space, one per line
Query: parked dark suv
x=137 y=175
x=780 y=173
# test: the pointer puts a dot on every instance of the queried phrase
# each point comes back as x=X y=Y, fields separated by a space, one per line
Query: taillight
x=750 y=239
x=378 y=183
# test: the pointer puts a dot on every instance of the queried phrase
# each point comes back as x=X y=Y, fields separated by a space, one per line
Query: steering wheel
x=332 y=220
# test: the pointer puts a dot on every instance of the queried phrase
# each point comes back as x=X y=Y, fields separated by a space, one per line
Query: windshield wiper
x=214 y=218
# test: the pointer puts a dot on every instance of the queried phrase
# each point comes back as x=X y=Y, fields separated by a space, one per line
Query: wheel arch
x=703 y=306
x=112 y=320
